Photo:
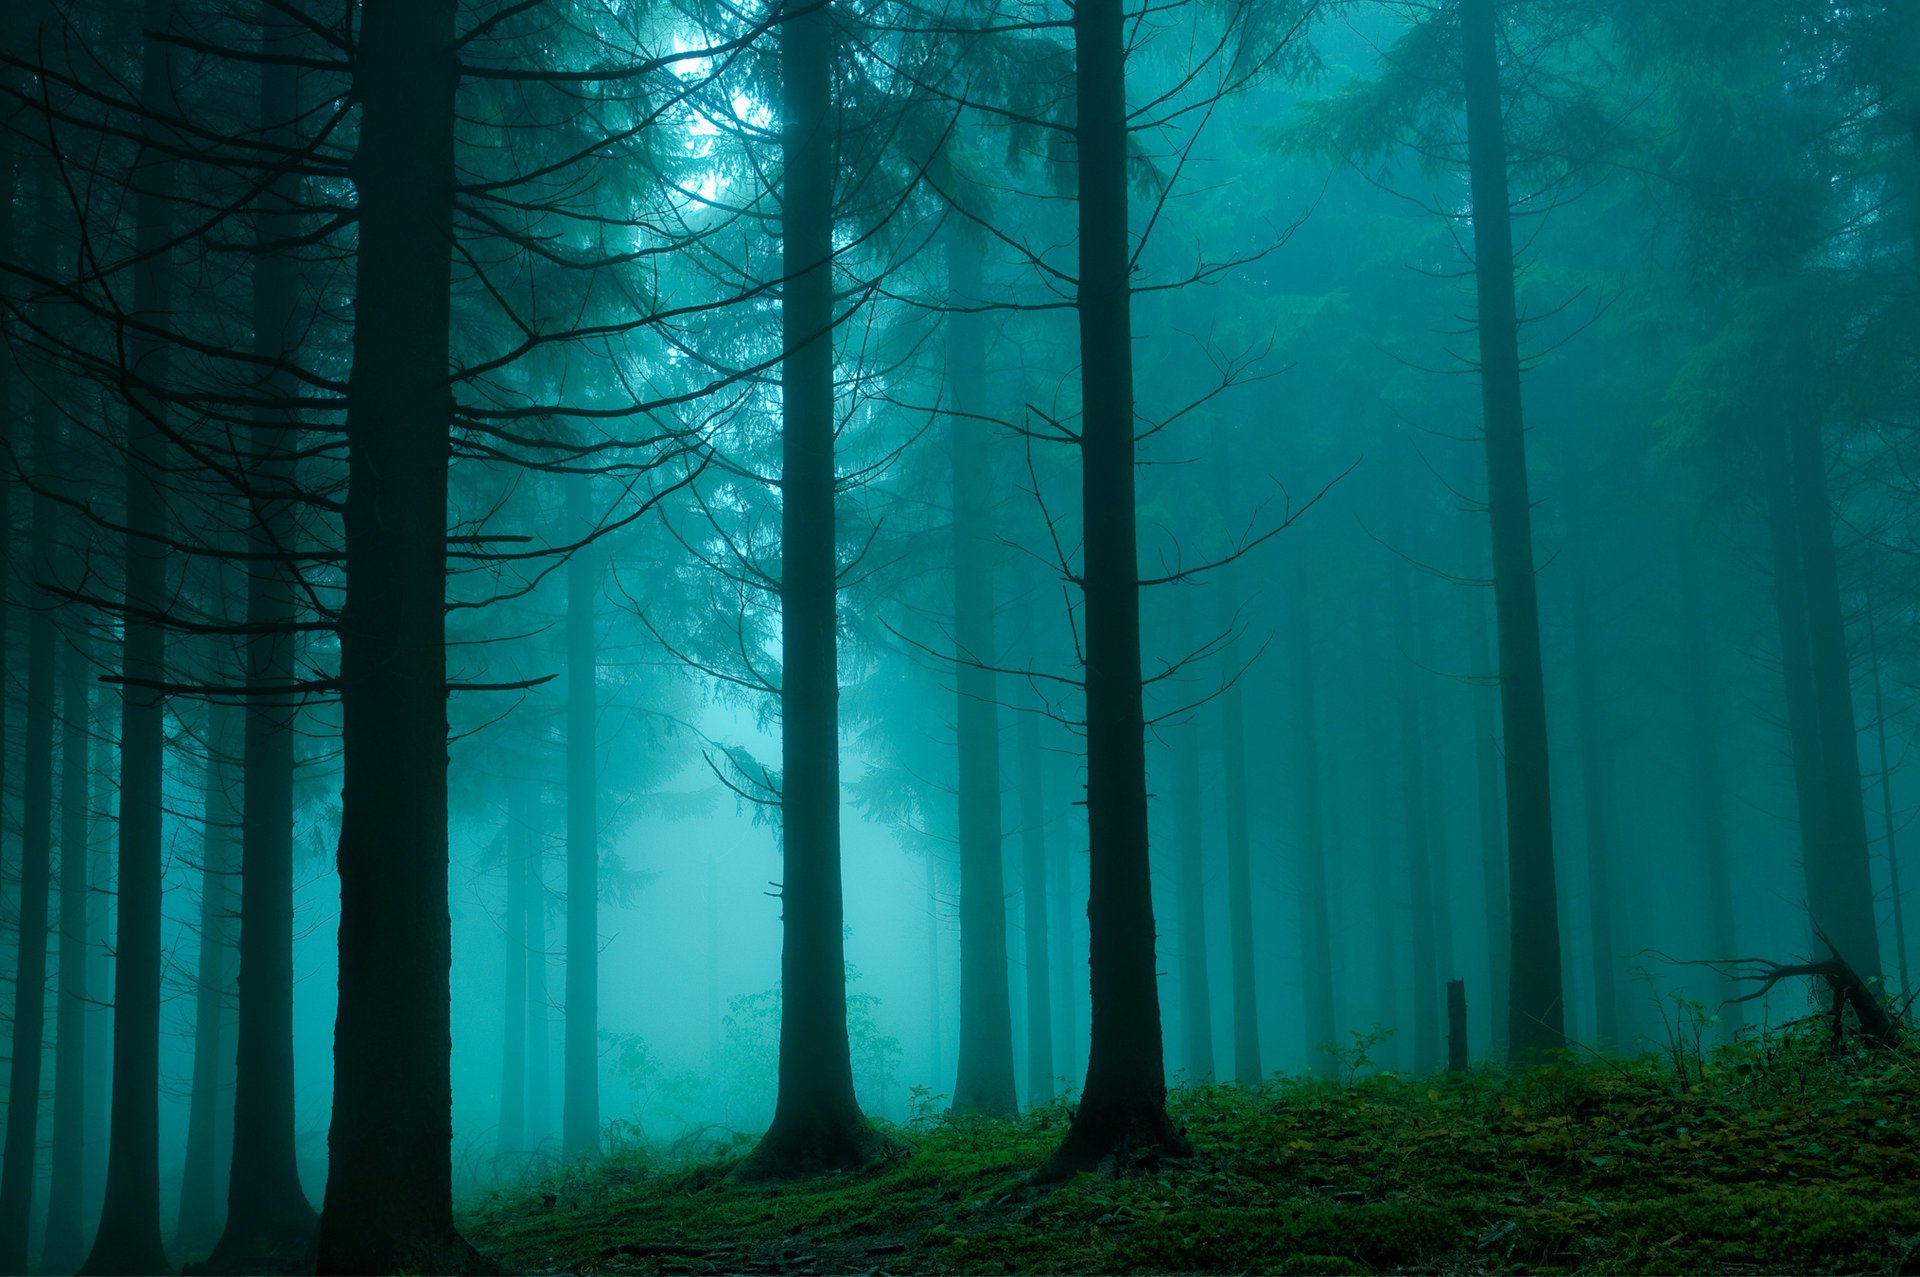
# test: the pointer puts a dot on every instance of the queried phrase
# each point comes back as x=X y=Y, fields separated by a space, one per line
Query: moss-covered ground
x=1769 y=1157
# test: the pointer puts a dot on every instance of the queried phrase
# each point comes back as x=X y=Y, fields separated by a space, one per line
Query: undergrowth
x=1774 y=1155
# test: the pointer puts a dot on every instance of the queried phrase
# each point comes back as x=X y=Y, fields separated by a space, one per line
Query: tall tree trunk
x=18 y=1175
x=984 y=1079
x=817 y=1124
x=1493 y=845
x=64 y=1246
x=1124 y=1103
x=1426 y=976
x=1316 y=930
x=1596 y=789
x=1068 y=958
x=936 y=1016
x=1233 y=772
x=209 y=1108
x=389 y=1196
x=1886 y=805
x=533 y=893
x=270 y=1223
x=1710 y=784
x=1848 y=916
x=16 y=1156
x=1034 y=868
x=580 y=1102
x=128 y=1239
x=1196 y=983
x=1536 y=1011
x=512 y=1140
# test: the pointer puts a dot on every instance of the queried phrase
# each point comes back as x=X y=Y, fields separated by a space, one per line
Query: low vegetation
x=1779 y=1153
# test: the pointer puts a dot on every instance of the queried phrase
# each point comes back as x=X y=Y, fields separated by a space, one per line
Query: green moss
x=1767 y=1160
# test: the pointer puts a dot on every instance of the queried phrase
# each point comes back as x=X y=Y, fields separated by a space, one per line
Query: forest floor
x=1771 y=1156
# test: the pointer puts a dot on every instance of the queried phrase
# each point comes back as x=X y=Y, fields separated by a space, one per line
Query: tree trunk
x=1034 y=869
x=270 y=1223
x=1493 y=845
x=389 y=1196
x=1123 y=1107
x=1536 y=1012
x=1068 y=958
x=128 y=1239
x=1596 y=791
x=1233 y=771
x=580 y=1102
x=1196 y=984
x=533 y=894
x=18 y=1175
x=1848 y=917
x=817 y=1124
x=1316 y=930
x=1711 y=786
x=64 y=1246
x=1426 y=973
x=983 y=1081
x=16 y=1156
x=209 y=1111
x=512 y=1141
x=1886 y=806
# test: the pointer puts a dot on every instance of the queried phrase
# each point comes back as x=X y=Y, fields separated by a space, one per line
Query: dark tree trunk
x=1847 y=917
x=817 y=1124
x=1196 y=983
x=1536 y=1011
x=983 y=1081
x=16 y=1160
x=17 y=1176
x=209 y=1109
x=1815 y=669
x=512 y=1141
x=1456 y=1026
x=580 y=1100
x=1068 y=957
x=1123 y=1107
x=128 y=1239
x=64 y=1246
x=1316 y=930
x=389 y=1196
x=1034 y=868
x=1886 y=806
x=270 y=1223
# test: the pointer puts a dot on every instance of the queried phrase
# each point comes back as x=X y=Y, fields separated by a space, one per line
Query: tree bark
x=1123 y=1107
x=1848 y=919
x=512 y=1138
x=817 y=1124
x=209 y=1110
x=1536 y=1011
x=983 y=1081
x=1196 y=984
x=580 y=1101
x=1596 y=792
x=128 y=1239
x=1426 y=974
x=1886 y=805
x=18 y=1175
x=1034 y=869
x=1493 y=845
x=389 y=1196
x=1711 y=786
x=64 y=1246
x=270 y=1223
x=1316 y=930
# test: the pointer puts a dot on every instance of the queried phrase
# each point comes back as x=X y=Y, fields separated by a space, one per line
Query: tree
x=984 y=1083
x=817 y=1124
x=1123 y=1106
x=580 y=1109
x=389 y=1197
